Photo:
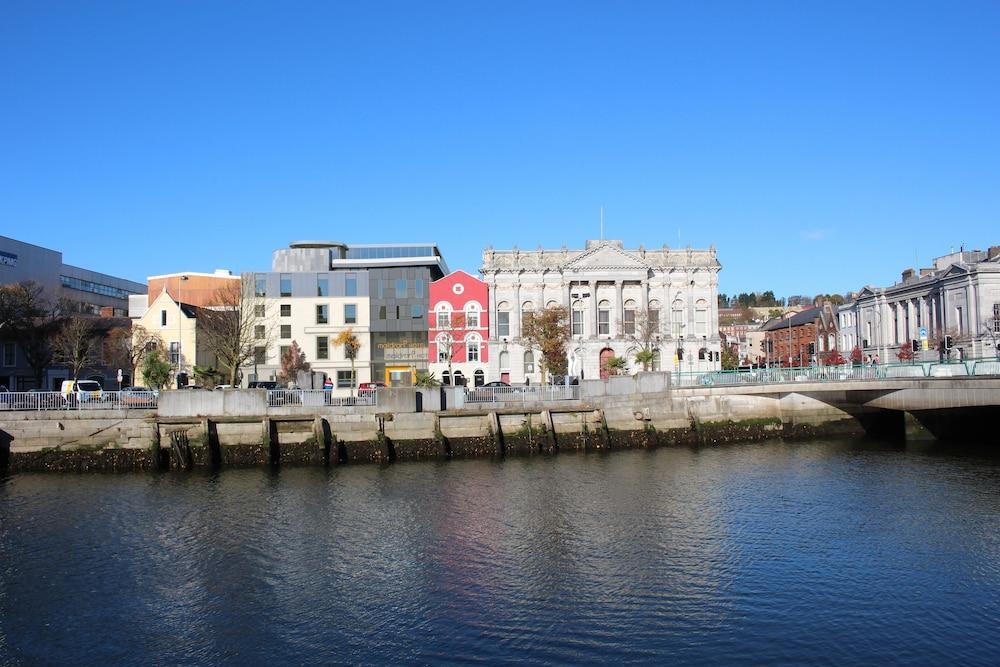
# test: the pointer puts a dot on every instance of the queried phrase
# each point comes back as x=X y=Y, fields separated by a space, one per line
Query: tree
x=547 y=331
x=730 y=357
x=645 y=334
x=293 y=361
x=616 y=365
x=351 y=345
x=834 y=358
x=856 y=356
x=229 y=328
x=205 y=375
x=126 y=347
x=446 y=344
x=76 y=345
x=26 y=318
x=427 y=380
x=904 y=353
x=155 y=368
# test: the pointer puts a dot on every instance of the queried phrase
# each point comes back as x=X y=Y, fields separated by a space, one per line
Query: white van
x=81 y=390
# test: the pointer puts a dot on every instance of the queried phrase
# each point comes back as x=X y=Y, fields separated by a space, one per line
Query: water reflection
x=843 y=551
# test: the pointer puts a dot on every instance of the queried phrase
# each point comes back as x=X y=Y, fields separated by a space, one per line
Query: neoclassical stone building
x=610 y=292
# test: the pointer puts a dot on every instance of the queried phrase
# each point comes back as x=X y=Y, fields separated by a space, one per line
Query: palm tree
x=351 y=346
x=616 y=365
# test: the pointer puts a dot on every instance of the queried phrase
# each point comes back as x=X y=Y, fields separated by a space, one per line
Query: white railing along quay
x=522 y=394
x=277 y=398
x=84 y=400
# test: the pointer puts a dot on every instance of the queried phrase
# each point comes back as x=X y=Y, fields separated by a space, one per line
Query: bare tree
x=76 y=345
x=26 y=318
x=126 y=347
x=447 y=345
x=229 y=328
x=645 y=333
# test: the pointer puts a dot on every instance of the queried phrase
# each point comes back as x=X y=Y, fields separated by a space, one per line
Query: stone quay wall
x=238 y=428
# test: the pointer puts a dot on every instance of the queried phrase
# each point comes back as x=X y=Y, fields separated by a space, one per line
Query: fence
x=85 y=400
x=524 y=394
x=318 y=397
x=968 y=368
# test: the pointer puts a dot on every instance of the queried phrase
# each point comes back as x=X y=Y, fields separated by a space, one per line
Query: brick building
x=800 y=339
x=459 y=328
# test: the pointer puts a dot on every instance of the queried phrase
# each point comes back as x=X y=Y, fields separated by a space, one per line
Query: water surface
x=833 y=551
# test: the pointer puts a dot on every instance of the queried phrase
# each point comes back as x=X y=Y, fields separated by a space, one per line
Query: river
x=846 y=552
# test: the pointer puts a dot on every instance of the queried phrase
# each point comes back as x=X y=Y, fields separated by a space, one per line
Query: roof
x=798 y=319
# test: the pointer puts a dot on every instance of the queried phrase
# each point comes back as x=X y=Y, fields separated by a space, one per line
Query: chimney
x=908 y=275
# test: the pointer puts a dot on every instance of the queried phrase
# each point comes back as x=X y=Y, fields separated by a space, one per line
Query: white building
x=609 y=291
x=959 y=297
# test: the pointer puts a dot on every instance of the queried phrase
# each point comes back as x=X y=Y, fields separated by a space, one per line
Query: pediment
x=955 y=269
x=606 y=258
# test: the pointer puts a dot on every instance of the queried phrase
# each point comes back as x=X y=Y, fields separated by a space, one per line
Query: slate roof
x=798 y=319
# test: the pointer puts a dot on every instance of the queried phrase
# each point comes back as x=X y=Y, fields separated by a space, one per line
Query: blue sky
x=819 y=146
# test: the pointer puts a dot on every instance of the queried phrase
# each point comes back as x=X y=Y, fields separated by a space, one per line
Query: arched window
x=604 y=318
x=527 y=308
x=444 y=347
x=459 y=379
x=653 y=317
x=577 y=317
x=703 y=354
x=677 y=319
x=472 y=315
x=552 y=304
x=442 y=314
x=701 y=317
x=628 y=318
x=472 y=343
x=503 y=319
x=655 y=364
x=529 y=362
x=505 y=361
x=446 y=379
x=479 y=377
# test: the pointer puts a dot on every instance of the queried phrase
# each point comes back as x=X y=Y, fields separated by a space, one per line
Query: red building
x=458 y=328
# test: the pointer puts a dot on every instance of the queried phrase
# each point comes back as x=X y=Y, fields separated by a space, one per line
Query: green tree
x=427 y=380
x=645 y=357
x=616 y=365
x=156 y=369
x=730 y=358
x=351 y=346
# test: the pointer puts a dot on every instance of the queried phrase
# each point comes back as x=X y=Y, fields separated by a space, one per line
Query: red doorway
x=606 y=353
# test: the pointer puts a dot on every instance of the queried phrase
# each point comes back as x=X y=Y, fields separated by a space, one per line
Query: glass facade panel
x=351 y=284
x=322 y=286
x=286 y=285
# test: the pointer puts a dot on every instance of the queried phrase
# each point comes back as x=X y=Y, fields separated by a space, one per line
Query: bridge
x=950 y=401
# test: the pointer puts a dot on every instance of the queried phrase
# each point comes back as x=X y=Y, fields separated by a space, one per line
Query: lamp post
x=180 y=317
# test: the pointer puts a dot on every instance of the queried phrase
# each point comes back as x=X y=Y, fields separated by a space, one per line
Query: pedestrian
x=875 y=360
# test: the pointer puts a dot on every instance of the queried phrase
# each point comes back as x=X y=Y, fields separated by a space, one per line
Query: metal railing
x=845 y=373
x=84 y=400
x=318 y=397
x=522 y=394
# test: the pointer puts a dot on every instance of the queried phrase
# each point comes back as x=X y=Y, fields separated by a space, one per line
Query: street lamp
x=180 y=316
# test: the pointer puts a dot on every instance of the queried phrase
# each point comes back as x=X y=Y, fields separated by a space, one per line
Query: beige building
x=177 y=326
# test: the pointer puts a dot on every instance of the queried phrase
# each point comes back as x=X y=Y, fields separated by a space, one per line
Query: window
x=527 y=308
x=628 y=321
x=283 y=350
x=655 y=366
x=400 y=288
x=503 y=319
x=350 y=313
x=416 y=311
x=958 y=319
x=996 y=318
x=286 y=330
x=286 y=285
x=701 y=318
x=322 y=286
x=653 y=317
x=258 y=332
x=702 y=353
x=472 y=343
x=286 y=310
x=443 y=342
x=577 y=318
x=260 y=355
x=418 y=287
x=322 y=314
x=175 y=352
x=677 y=317
x=351 y=284
x=261 y=286
x=479 y=378
x=260 y=310
x=8 y=354
x=322 y=347
x=381 y=312
x=529 y=362
x=505 y=361
x=446 y=379
x=345 y=379
x=443 y=318
x=163 y=318
x=604 y=318
x=472 y=316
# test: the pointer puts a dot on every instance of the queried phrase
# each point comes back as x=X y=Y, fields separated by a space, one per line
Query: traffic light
x=947 y=342
x=916 y=345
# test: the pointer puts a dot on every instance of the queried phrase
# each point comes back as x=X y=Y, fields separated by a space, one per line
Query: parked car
x=81 y=391
x=139 y=396
x=490 y=391
x=263 y=384
x=369 y=388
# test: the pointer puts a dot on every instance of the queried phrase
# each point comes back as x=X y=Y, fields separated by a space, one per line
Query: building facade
x=317 y=289
x=801 y=339
x=459 y=329
x=617 y=301
x=959 y=296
